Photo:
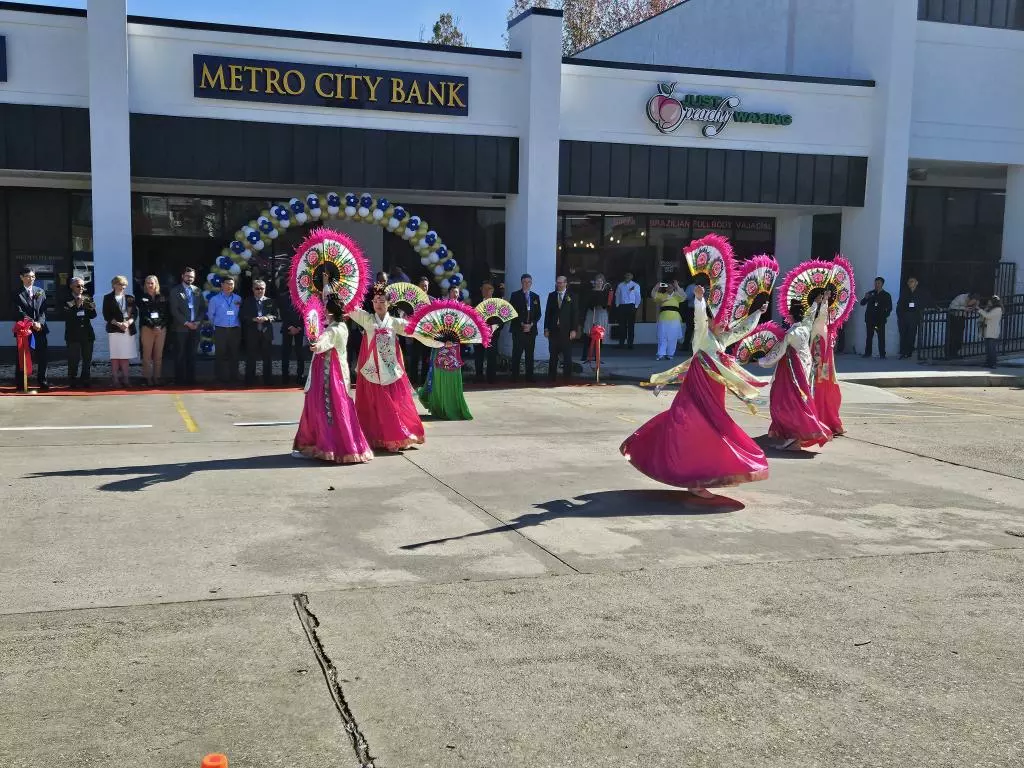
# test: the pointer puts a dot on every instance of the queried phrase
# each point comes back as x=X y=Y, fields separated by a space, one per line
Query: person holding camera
x=670 y=300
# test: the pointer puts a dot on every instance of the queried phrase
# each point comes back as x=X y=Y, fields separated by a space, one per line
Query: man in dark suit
x=878 y=305
x=79 y=336
x=188 y=308
x=30 y=302
x=524 y=328
x=561 y=318
x=293 y=338
x=908 y=316
x=259 y=314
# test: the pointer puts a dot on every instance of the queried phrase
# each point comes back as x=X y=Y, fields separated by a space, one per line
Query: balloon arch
x=364 y=208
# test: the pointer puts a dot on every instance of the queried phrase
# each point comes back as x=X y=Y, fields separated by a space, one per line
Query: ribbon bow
x=596 y=337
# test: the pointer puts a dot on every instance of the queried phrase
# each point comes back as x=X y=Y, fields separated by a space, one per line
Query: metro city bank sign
x=668 y=111
x=215 y=77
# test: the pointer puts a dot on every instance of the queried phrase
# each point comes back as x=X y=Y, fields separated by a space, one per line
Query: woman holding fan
x=695 y=444
x=384 y=399
x=328 y=267
x=449 y=324
x=804 y=284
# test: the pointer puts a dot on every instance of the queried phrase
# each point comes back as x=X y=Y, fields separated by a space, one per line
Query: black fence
x=955 y=334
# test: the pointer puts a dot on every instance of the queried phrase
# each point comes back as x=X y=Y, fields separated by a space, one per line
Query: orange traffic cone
x=215 y=761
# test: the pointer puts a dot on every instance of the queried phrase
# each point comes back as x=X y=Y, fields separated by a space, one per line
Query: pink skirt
x=828 y=398
x=329 y=428
x=388 y=413
x=793 y=413
x=695 y=444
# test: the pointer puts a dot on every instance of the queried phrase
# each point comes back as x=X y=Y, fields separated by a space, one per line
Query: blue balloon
x=206 y=347
x=366 y=201
x=279 y=211
x=383 y=204
x=414 y=223
x=399 y=212
x=224 y=262
x=333 y=200
x=237 y=247
x=265 y=225
x=252 y=236
x=442 y=252
x=215 y=281
x=453 y=280
x=431 y=238
x=449 y=265
x=351 y=200
x=298 y=207
x=312 y=201
x=209 y=295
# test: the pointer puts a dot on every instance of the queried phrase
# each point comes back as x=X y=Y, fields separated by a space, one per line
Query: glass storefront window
x=753 y=237
x=163 y=215
x=81 y=239
x=668 y=236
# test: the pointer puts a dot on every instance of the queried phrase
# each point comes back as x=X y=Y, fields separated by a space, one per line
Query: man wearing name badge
x=561 y=318
x=79 y=336
x=627 y=301
x=908 y=316
x=30 y=303
x=188 y=307
x=524 y=328
x=878 y=305
x=259 y=314
x=224 y=314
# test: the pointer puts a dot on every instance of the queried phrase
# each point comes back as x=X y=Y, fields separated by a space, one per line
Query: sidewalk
x=638 y=365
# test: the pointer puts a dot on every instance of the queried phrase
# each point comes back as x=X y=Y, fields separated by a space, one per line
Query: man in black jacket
x=258 y=317
x=30 y=302
x=79 y=336
x=524 y=328
x=293 y=339
x=561 y=318
x=908 y=316
x=879 y=306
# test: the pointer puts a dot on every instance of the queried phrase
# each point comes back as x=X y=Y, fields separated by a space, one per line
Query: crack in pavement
x=310 y=623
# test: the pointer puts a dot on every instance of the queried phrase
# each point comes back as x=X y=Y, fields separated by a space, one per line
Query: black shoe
x=44 y=387
x=866 y=357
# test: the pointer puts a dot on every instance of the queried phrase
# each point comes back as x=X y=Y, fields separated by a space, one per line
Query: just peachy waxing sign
x=320 y=85
x=668 y=110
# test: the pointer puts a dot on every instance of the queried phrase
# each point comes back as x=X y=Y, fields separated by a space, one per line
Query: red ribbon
x=596 y=337
x=23 y=333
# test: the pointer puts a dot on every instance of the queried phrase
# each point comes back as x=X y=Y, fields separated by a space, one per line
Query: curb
x=889 y=381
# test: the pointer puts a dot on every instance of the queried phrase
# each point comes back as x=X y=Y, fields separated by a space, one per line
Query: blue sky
x=483 y=21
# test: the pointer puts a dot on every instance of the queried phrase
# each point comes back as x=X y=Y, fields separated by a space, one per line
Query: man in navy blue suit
x=30 y=302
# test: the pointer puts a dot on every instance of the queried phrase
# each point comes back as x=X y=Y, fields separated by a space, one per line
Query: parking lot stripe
x=265 y=423
x=190 y=424
x=85 y=426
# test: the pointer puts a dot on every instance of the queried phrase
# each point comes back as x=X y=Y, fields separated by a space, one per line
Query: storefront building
x=879 y=128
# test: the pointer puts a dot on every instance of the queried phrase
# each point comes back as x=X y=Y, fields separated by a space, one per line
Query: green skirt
x=442 y=396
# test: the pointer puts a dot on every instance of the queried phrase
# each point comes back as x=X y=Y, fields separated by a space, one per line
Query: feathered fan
x=755 y=278
x=315 y=316
x=328 y=262
x=809 y=279
x=498 y=308
x=406 y=294
x=712 y=256
x=451 y=321
x=760 y=342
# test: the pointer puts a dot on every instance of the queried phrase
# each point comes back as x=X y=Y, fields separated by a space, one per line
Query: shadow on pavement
x=768 y=446
x=157 y=474
x=633 y=503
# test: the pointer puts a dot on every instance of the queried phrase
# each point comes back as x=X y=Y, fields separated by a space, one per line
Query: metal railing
x=945 y=334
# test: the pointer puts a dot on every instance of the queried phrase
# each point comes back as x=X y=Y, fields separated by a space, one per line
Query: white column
x=107 y=24
x=1013 y=223
x=793 y=235
x=885 y=33
x=532 y=214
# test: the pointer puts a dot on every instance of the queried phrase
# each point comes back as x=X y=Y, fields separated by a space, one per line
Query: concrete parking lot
x=512 y=593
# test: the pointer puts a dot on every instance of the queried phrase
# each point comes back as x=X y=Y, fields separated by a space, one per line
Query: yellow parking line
x=625 y=418
x=190 y=424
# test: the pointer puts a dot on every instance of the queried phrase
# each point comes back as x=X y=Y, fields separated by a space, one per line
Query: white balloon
x=364 y=212
x=259 y=245
x=446 y=284
x=461 y=278
x=316 y=213
x=235 y=269
x=439 y=270
x=378 y=215
x=465 y=294
x=393 y=224
x=333 y=210
x=425 y=261
x=350 y=211
x=434 y=258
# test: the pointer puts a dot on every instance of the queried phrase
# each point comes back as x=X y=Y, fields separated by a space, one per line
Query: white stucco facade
x=859 y=79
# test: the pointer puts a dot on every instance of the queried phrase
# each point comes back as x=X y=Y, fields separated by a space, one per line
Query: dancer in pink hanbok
x=329 y=427
x=384 y=397
x=795 y=423
x=695 y=444
x=804 y=284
